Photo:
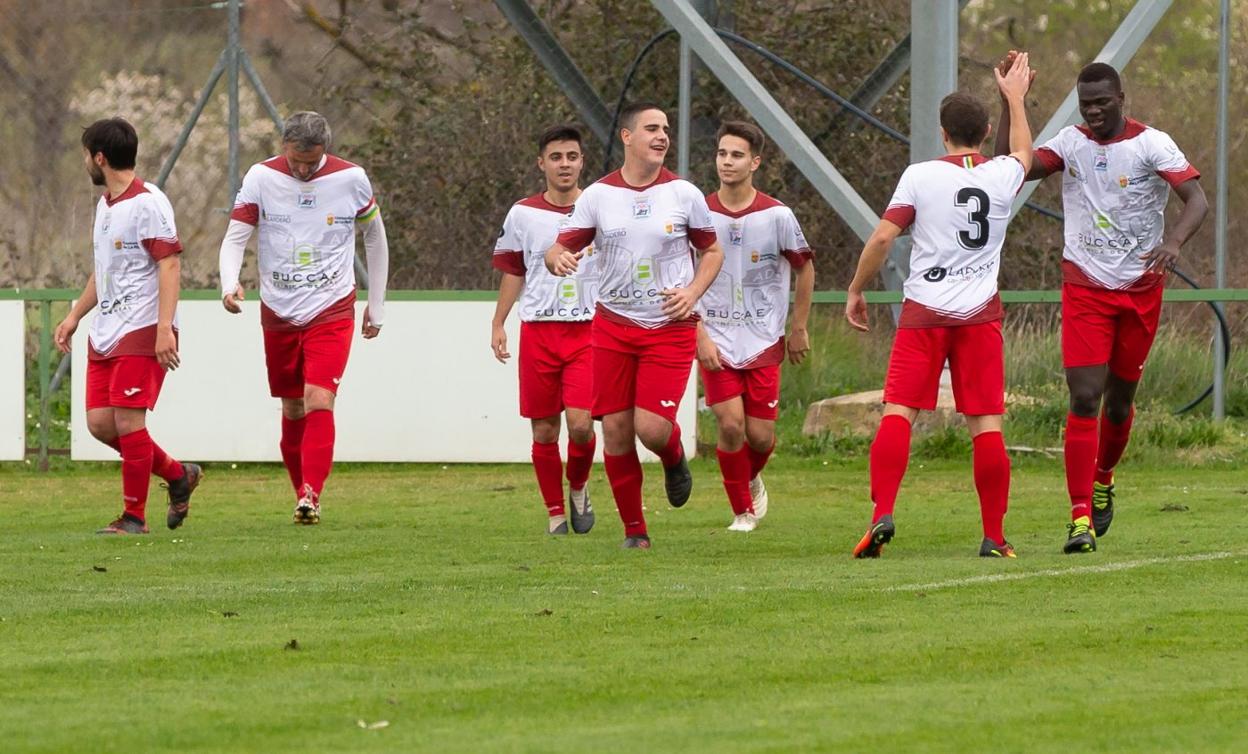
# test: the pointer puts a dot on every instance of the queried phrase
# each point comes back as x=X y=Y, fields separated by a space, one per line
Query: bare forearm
x=170 y=284
x=86 y=301
x=508 y=293
x=805 y=293
x=1190 y=219
x=1001 y=146
x=708 y=267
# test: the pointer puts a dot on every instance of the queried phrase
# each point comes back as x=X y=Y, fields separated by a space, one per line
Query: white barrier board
x=428 y=389
x=12 y=381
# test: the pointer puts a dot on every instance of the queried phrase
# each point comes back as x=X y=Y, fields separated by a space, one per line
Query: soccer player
x=741 y=341
x=556 y=373
x=1116 y=179
x=644 y=223
x=307 y=204
x=959 y=206
x=134 y=334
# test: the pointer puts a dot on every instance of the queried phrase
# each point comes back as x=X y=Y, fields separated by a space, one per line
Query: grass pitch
x=431 y=600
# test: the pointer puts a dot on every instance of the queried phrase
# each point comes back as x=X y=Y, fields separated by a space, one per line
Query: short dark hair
x=1100 y=72
x=116 y=139
x=964 y=118
x=741 y=129
x=559 y=132
x=628 y=115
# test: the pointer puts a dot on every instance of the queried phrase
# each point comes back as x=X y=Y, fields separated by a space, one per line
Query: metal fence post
x=45 y=380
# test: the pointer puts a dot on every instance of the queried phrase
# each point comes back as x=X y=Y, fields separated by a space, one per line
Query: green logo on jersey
x=306 y=255
x=644 y=271
x=1103 y=222
x=567 y=290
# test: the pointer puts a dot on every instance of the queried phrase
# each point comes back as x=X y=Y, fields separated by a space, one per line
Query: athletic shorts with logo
x=131 y=381
x=315 y=354
x=757 y=383
x=641 y=367
x=556 y=368
x=1102 y=326
x=976 y=364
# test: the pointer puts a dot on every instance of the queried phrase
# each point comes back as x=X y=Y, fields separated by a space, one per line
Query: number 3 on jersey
x=977 y=217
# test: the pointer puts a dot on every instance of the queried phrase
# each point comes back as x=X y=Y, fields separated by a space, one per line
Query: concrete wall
x=12 y=381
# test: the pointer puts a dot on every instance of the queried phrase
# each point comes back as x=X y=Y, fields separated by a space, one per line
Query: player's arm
x=169 y=282
x=68 y=326
x=561 y=260
x=708 y=352
x=377 y=256
x=230 y=261
x=1004 y=143
x=1014 y=84
x=679 y=303
x=874 y=253
x=1165 y=255
x=508 y=293
x=799 y=336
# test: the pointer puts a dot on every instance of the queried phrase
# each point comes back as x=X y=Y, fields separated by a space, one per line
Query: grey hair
x=307 y=130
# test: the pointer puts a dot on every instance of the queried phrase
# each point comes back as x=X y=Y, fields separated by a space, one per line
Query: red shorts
x=635 y=367
x=759 y=389
x=124 y=382
x=1100 y=326
x=315 y=355
x=556 y=370
x=976 y=363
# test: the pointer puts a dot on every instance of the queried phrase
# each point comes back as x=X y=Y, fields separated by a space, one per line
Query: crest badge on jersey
x=1100 y=161
x=307 y=198
x=1123 y=181
x=641 y=207
x=735 y=235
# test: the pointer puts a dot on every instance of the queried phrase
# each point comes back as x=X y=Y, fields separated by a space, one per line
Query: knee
x=104 y=430
x=581 y=432
x=760 y=438
x=1085 y=400
x=731 y=432
x=292 y=408
x=654 y=434
x=129 y=421
x=545 y=432
x=317 y=399
x=617 y=435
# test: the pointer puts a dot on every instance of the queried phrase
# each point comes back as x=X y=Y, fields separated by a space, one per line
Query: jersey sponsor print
x=959 y=206
x=747 y=306
x=642 y=238
x=529 y=230
x=1114 y=195
x=131 y=234
x=307 y=235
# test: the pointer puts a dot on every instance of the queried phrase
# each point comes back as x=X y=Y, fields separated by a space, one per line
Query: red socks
x=735 y=468
x=291 y=446
x=549 y=469
x=1080 y=452
x=624 y=474
x=1113 y=442
x=164 y=465
x=758 y=460
x=318 y=448
x=136 y=467
x=672 y=452
x=890 y=453
x=992 y=481
x=580 y=460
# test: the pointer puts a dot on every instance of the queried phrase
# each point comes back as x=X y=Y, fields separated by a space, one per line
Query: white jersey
x=131 y=234
x=641 y=238
x=307 y=235
x=747 y=306
x=960 y=207
x=529 y=230
x=1114 y=196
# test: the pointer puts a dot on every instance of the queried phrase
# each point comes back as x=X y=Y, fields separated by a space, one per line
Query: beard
x=97 y=176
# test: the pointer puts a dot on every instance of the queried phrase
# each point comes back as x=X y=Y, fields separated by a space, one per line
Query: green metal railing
x=46 y=297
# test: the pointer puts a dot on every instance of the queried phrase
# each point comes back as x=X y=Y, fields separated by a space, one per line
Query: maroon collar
x=332 y=165
x=760 y=203
x=1133 y=129
x=617 y=179
x=960 y=159
x=538 y=201
x=135 y=188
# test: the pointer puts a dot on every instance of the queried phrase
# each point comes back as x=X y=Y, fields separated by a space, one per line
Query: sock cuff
x=895 y=420
x=545 y=449
x=590 y=443
x=138 y=436
x=1087 y=423
x=994 y=437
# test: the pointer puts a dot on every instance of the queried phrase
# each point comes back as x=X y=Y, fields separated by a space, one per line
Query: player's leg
x=614 y=385
x=1088 y=331
x=1137 y=328
x=541 y=400
x=663 y=367
x=762 y=402
x=723 y=390
x=911 y=384
x=283 y=358
x=977 y=370
x=581 y=445
x=577 y=390
x=325 y=350
x=548 y=467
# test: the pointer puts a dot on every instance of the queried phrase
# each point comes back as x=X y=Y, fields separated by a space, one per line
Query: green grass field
x=431 y=599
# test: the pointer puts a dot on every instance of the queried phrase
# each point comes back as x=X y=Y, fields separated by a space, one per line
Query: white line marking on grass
x=1125 y=565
